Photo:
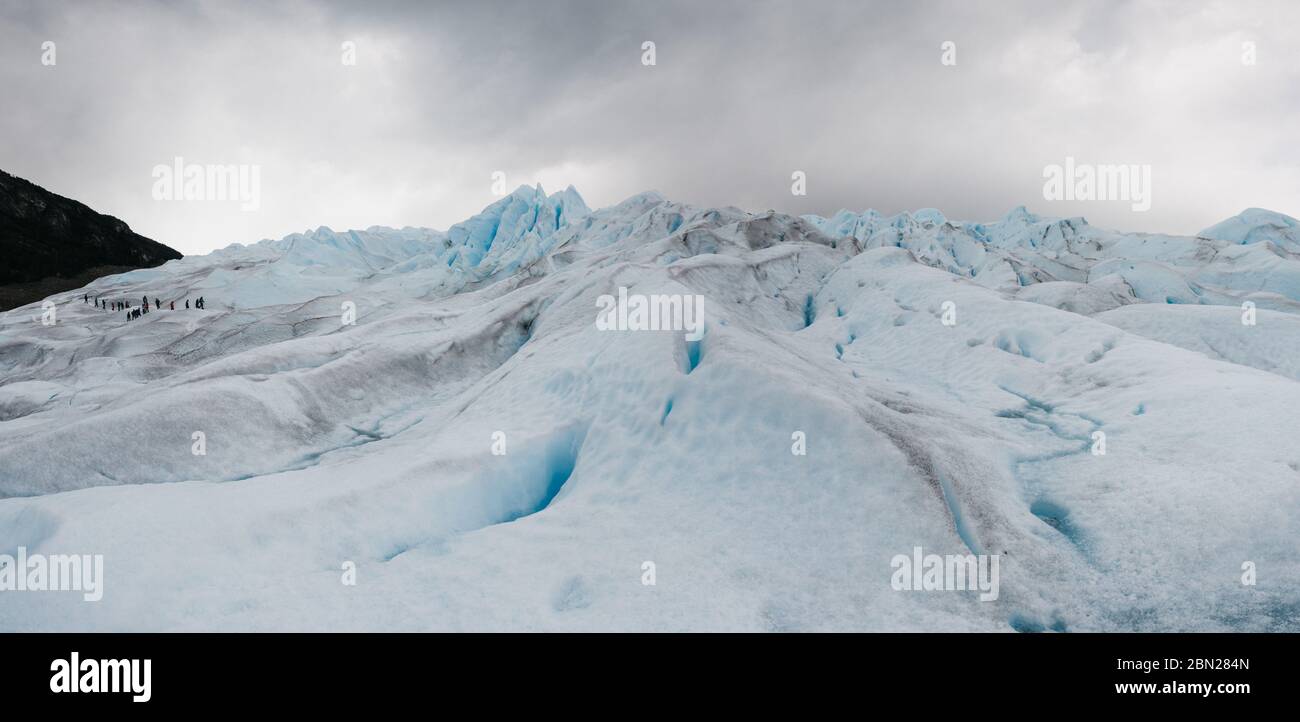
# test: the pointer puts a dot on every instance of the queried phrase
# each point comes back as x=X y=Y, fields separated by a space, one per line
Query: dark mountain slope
x=48 y=243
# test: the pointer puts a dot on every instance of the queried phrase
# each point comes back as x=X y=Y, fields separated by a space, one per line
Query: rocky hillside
x=46 y=239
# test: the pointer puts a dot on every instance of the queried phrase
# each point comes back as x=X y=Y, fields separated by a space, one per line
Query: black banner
x=938 y=672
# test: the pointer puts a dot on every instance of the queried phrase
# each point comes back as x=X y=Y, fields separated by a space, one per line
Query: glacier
x=376 y=442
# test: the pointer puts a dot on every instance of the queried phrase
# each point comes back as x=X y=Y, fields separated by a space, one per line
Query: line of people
x=134 y=313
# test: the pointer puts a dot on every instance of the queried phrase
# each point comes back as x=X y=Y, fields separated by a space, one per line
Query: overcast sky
x=742 y=94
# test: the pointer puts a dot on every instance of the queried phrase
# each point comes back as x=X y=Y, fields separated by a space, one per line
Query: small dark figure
x=85 y=298
x=171 y=306
x=187 y=303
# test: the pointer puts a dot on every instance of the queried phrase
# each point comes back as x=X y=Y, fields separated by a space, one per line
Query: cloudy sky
x=742 y=94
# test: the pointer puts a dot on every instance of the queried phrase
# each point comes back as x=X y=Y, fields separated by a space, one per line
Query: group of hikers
x=133 y=313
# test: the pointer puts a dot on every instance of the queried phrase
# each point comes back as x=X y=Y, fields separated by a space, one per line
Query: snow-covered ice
x=373 y=442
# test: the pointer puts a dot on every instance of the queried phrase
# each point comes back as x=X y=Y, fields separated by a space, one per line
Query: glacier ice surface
x=372 y=442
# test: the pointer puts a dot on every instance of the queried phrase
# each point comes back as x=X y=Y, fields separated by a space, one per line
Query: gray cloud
x=743 y=94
